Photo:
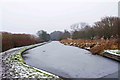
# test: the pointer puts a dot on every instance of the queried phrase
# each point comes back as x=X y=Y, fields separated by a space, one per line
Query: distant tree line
x=106 y=28
x=10 y=40
x=43 y=35
x=54 y=36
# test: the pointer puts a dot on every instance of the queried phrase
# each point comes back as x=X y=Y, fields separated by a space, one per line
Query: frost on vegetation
x=19 y=69
x=114 y=52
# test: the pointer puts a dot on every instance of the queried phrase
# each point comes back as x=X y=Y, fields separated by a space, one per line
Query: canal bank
x=13 y=65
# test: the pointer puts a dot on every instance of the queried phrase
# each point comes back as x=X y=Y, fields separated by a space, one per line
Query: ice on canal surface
x=70 y=62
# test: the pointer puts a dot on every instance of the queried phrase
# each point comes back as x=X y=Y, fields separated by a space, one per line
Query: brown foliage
x=96 y=46
x=17 y=40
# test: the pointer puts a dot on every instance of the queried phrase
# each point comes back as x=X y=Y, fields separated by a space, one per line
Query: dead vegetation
x=10 y=40
x=95 y=46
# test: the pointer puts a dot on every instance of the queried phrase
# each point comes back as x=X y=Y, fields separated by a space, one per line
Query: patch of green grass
x=117 y=52
x=18 y=57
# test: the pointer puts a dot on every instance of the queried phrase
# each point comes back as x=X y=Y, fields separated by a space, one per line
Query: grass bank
x=19 y=69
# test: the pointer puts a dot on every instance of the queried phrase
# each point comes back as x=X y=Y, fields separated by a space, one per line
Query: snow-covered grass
x=114 y=52
x=24 y=71
x=19 y=69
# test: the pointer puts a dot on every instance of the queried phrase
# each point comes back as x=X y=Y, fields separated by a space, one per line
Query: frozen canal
x=70 y=62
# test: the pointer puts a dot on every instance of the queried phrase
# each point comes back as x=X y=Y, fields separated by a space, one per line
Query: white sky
x=29 y=16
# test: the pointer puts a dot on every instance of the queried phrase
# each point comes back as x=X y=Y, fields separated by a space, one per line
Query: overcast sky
x=29 y=16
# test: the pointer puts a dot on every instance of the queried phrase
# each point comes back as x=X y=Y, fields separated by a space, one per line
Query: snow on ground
x=70 y=62
x=15 y=67
x=114 y=52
